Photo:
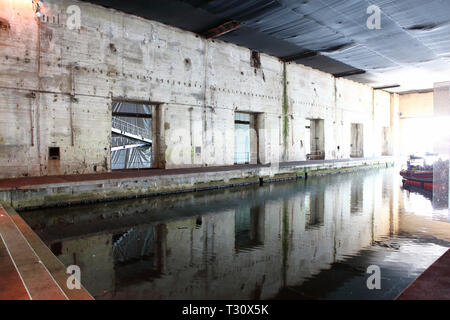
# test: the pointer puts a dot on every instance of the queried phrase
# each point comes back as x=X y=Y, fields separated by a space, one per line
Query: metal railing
x=127 y=127
x=132 y=165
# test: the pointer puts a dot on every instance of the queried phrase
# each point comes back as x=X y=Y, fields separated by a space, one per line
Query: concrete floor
x=119 y=174
x=54 y=191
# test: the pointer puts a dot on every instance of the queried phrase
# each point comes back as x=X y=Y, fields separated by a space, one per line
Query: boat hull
x=426 y=185
x=425 y=176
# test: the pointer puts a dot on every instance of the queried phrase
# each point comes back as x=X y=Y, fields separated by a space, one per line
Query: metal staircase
x=131 y=131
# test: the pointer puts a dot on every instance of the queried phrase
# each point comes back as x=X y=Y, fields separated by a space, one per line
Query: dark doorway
x=356 y=146
x=246 y=141
x=315 y=132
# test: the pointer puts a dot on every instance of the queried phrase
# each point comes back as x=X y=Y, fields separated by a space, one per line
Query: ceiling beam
x=387 y=87
x=132 y=115
x=349 y=73
x=299 y=56
x=221 y=29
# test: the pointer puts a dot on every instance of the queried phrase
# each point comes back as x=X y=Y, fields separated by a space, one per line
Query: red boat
x=418 y=174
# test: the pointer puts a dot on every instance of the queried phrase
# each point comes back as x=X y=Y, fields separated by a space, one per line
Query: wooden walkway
x=11 y=284
x=433 y=284
x=28 y=269
x=26 y=275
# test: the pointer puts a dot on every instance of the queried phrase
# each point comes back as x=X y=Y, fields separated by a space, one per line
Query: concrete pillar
x=395 y=124
x=158 y=137
x=262 y=137
x=441 y=174
x=254 y=139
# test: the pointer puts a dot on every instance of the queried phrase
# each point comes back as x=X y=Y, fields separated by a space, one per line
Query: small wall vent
x=53 y=153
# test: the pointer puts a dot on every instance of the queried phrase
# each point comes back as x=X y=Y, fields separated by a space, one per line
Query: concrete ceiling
x=411 y=49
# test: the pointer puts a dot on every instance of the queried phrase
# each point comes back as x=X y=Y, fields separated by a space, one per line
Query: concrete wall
x=416 y=104
x=416 y=120
x=441 y=174
x=58 y=85
x=441 y=111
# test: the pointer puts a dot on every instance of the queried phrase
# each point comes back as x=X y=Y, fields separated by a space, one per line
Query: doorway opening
x=246 y=145
x=356 y=146
x=315 y=139
x=131 y=138
x=385 y=145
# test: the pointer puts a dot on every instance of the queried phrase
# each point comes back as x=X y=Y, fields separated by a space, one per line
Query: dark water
x=309 y=239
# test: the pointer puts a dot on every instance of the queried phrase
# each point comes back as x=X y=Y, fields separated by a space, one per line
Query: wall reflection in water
x=246 y=243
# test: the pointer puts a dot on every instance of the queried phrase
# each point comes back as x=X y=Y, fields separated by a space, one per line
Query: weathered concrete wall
x=58 y=85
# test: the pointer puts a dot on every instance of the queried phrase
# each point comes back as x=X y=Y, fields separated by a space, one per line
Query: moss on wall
x=285 y=115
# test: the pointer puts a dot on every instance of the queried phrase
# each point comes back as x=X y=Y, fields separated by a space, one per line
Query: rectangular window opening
x=132 y=136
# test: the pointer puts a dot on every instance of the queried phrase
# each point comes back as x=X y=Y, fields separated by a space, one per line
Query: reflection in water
x=314 y=205
x=356 y=198
x=302 y=239
x=248 y=227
